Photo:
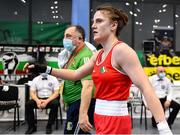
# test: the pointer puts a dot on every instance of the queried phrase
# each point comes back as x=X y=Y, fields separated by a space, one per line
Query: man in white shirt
x=44 y=92
x=163 y=89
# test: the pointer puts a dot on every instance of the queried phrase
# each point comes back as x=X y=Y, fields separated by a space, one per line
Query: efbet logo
x=163 y=60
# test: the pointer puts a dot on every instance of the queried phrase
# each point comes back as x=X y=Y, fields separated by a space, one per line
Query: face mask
x=162 y=75
x=68 y=45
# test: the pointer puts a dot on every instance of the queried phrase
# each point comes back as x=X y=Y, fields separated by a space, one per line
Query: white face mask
x=68 y=44
x=162 y=75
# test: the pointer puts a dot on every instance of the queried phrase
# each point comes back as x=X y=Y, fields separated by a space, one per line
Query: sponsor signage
x=171 y=64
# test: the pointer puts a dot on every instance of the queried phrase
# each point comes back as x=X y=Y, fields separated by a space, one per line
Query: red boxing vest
x=110 y=83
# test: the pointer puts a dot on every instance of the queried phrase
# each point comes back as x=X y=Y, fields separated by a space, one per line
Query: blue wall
x=81 y=15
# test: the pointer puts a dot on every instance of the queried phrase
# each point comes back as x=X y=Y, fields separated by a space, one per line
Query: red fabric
x=110 y=83
x=112 y=124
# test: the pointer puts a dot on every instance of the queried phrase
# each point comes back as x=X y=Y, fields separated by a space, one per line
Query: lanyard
x=71 y=59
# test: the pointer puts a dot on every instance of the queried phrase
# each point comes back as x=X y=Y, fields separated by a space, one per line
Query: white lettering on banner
x=14 y=49
x=12 y=77
x=56 y=49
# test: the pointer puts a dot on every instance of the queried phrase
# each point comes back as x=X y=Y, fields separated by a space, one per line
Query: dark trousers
x=73 y=116
x=31 y=105
x=172 y=116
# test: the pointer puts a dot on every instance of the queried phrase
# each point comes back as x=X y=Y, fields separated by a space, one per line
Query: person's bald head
x=160 y=69
x=161 y=72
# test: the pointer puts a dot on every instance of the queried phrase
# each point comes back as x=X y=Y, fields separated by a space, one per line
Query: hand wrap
x=40 y=69
x=163 y=128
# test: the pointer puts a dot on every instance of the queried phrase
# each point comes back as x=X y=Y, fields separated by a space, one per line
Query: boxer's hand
x=163 y=128
x=36 y=68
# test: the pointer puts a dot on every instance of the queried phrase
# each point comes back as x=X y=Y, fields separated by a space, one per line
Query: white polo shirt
x=44 y=87
x=162 y=86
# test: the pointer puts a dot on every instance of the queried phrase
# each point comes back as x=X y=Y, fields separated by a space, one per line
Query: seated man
x=163 y=89
x=44 y=91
